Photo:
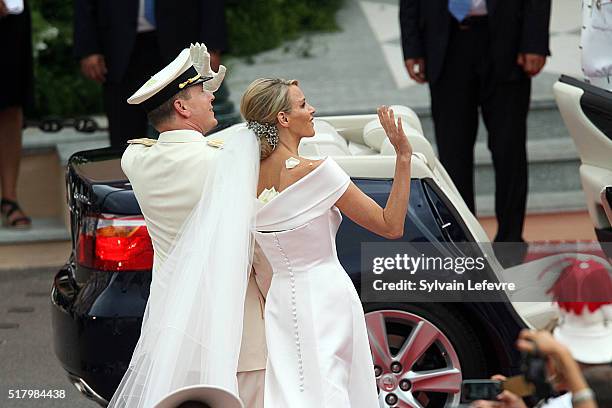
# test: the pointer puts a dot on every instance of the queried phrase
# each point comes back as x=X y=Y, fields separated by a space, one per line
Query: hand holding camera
x=532 y=342
x=561 y=361
x=503 y=399
x=541 y=349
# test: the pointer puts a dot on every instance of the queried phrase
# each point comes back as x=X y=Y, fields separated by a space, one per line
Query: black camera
x=532 y=383
x=533 y=367
x=472 y=390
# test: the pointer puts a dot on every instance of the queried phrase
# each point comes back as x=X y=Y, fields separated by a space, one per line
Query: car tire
x=435 y=346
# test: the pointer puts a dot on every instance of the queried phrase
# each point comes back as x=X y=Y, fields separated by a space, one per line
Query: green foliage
x=60 y=88
x=253 y=25
x=260 y=25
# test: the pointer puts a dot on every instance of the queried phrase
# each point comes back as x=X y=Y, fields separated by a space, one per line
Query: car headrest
x=325 y=142
x=408 y=116
x=420 y=147
x=374 y=134
x=323 y=126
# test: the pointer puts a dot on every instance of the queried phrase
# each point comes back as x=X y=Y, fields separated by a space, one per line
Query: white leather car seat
x=408 y=116
x=326 y=142
x=420 y=147
x=358 y=149
x=375 y=137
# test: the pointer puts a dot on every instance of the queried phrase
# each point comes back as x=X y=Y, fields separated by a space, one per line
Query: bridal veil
x=192 y=326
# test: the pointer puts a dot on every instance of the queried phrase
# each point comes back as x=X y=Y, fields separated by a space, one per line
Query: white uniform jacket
x=167 y=179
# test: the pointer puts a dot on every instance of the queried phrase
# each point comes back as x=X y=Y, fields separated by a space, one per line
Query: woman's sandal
x=8 y=208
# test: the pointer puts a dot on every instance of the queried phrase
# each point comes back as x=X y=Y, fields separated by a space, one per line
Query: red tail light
x=115 y=243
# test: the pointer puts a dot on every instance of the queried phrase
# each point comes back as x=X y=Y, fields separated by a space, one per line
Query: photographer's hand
x=545 y=342
x=547 y=345
x=504 y=400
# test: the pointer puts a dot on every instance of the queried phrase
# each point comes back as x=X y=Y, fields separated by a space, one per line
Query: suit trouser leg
x=251 y=388
x=127 y=121
x=504 y=113
x=454 y=108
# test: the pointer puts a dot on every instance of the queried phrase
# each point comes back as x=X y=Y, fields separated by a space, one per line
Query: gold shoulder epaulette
x=218 y=143
x=143 y=141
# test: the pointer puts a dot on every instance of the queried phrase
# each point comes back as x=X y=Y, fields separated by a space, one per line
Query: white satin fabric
x=192 y=326
x=318 y=350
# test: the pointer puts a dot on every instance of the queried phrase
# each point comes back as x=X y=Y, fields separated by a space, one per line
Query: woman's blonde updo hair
x=262 y=101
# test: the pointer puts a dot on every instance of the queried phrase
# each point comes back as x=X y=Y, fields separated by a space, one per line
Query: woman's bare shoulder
x=297 y=170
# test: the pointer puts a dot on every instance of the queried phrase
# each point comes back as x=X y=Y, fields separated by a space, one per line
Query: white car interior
x=594 y=148
x=360 y=146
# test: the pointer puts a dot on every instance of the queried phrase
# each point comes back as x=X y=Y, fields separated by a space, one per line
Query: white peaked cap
x=215 y=397
x=190 y=67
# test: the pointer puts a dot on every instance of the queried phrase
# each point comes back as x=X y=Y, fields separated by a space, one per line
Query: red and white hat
x=584 y=295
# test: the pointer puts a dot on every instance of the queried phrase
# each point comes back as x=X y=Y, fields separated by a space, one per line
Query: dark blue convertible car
x=99 y=296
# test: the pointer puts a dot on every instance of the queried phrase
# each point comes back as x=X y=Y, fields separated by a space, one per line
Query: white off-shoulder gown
x=318 y=350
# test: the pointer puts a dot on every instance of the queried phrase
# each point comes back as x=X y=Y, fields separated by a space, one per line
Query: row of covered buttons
x=294 y=313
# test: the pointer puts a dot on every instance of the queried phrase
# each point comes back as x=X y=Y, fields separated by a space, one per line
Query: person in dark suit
x=120 y=42
x=480 y=54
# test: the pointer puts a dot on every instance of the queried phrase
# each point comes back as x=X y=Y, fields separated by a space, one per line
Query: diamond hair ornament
x=266 y=130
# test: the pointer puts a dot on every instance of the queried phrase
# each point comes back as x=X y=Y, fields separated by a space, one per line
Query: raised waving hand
x=395 y=132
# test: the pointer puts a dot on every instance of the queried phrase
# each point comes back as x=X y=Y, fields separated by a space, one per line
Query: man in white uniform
x=168 y=175
x=596 y=42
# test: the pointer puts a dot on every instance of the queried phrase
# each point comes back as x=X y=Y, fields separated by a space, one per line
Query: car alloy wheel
x=414 y=362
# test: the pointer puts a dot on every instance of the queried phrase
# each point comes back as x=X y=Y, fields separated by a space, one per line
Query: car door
x=587 y=113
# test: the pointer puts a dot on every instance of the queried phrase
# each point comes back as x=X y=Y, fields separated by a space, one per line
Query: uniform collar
x=180 y=136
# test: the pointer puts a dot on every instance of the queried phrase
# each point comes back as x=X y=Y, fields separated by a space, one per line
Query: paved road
x=27 y=360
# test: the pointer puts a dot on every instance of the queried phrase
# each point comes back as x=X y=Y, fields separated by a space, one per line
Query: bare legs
x=11 y=121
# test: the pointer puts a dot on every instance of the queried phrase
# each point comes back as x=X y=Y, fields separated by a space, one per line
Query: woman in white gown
x=318 y=350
